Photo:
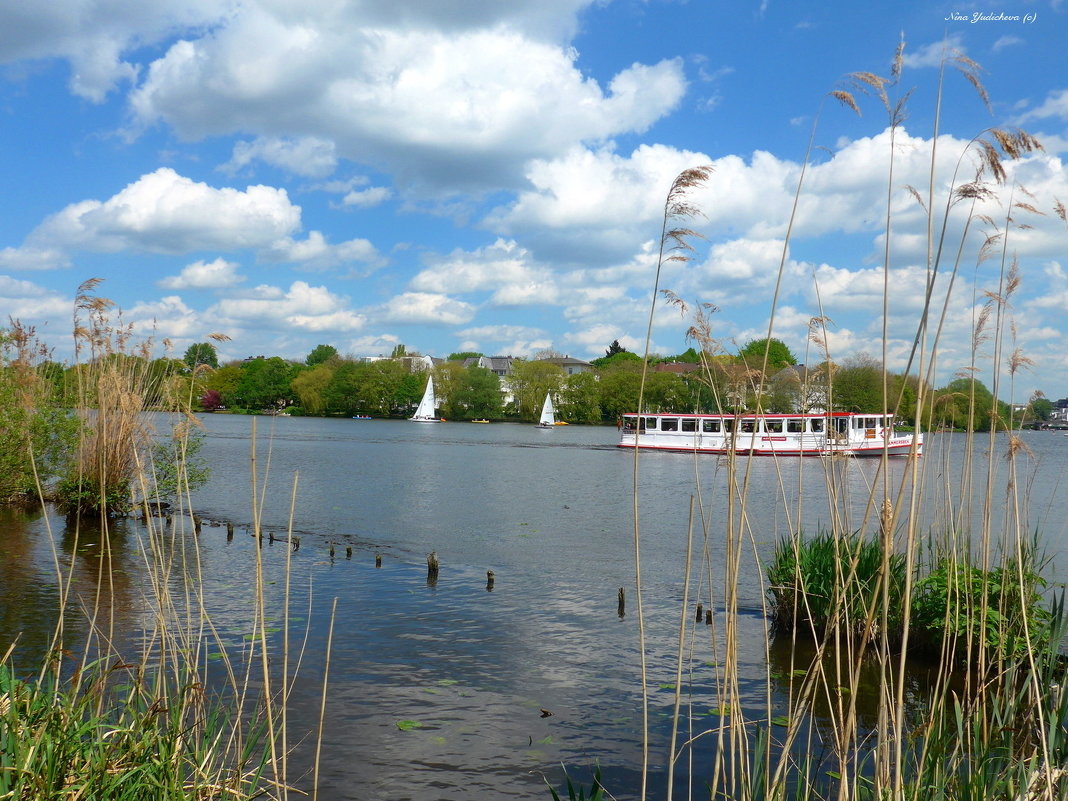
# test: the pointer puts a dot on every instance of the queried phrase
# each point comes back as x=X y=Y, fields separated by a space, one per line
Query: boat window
x=748 y=425
x=710 y=426
x=669 y=424
x=841 y=424
x=649 y=422
x=689 y=424
x=628 y=423
x=816 y=424
x=795 y=426
x=773 y=426
x=869 y=422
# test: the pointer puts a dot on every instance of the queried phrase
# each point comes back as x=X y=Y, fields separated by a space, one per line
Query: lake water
x=550 y=512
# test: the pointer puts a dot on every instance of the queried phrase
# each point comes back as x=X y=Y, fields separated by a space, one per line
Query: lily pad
x=408 y=725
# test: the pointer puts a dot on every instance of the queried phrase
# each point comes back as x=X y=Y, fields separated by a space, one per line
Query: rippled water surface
x=550 y=512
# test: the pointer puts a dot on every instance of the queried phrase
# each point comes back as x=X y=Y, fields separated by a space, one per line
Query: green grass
x=829 y=581
x=105 y=733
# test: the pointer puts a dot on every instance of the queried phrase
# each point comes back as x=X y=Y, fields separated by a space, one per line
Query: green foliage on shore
x=108 y=733
x=849 y=584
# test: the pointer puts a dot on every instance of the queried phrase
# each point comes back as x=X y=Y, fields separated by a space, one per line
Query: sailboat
x=548 y=416
x=425 y=412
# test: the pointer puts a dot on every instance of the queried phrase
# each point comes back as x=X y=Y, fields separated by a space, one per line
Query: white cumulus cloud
x=216 y=274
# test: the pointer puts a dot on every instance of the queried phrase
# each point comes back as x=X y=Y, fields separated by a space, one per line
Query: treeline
x=329 y=384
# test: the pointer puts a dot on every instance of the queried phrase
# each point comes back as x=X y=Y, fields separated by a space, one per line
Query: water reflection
x=550 y=513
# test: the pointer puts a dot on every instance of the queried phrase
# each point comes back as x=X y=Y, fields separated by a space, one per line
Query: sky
x=491 y=175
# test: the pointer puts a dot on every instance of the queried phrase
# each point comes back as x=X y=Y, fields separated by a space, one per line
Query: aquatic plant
x=829 y=582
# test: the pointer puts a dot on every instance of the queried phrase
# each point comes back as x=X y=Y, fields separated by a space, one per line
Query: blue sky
x=485 y=175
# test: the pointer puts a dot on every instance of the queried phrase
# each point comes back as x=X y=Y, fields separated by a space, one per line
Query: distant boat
x=480 y=421
x=361 y=417
x=548 y=416
x=425 y=412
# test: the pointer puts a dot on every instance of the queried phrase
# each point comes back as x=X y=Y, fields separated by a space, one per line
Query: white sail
x=425 y=412
x=548 y=416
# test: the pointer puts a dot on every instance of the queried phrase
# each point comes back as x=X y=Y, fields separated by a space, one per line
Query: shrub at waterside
x=964 y=609
x=110 y=733
x=835 y=582
x=848 y=584
x=36 y=435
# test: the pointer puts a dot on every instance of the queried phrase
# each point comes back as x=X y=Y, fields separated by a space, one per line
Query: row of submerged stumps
x=433 y=564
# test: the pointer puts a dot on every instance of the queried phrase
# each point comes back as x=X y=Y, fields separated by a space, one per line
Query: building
x=569 y=365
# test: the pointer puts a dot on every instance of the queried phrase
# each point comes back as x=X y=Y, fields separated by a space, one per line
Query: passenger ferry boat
x=764 y=434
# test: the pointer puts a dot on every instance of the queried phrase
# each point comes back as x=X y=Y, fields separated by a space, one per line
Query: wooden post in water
x=621 y=608
x=708 y=617
x=348 y=551
x=296 y=543
x=700 y=612
x=489 y=581
x=378 y=560
x=196 y=525
x=331 y=550
x=432 y=566
x=229 y=531
x=270 y=537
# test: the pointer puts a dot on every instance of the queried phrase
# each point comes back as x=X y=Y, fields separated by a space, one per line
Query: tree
x=858 y=385
x=1041 y=407
x=320 y=354
x=447 y=376
x=310 y=385
x=225 y=381
x=476 y=393
x=265 y=384
x=530 y=381
x=211 y=400
x=779 y=356
x=201 y=353
x=464 y=354
x=784 y=393
x=580 y=399
x=614 y=348
x=623 y=357
x=688 y=356
x=667 y=392
x=399 y=351
x=618 y=389
x=966 y=403
x=548 y=353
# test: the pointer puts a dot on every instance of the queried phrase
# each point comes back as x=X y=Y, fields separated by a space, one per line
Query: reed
x=927 y=577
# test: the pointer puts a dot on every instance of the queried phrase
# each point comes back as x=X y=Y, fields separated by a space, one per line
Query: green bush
x=76 y=495
x=835 y=580
x=974 y=608
x=109 y=733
